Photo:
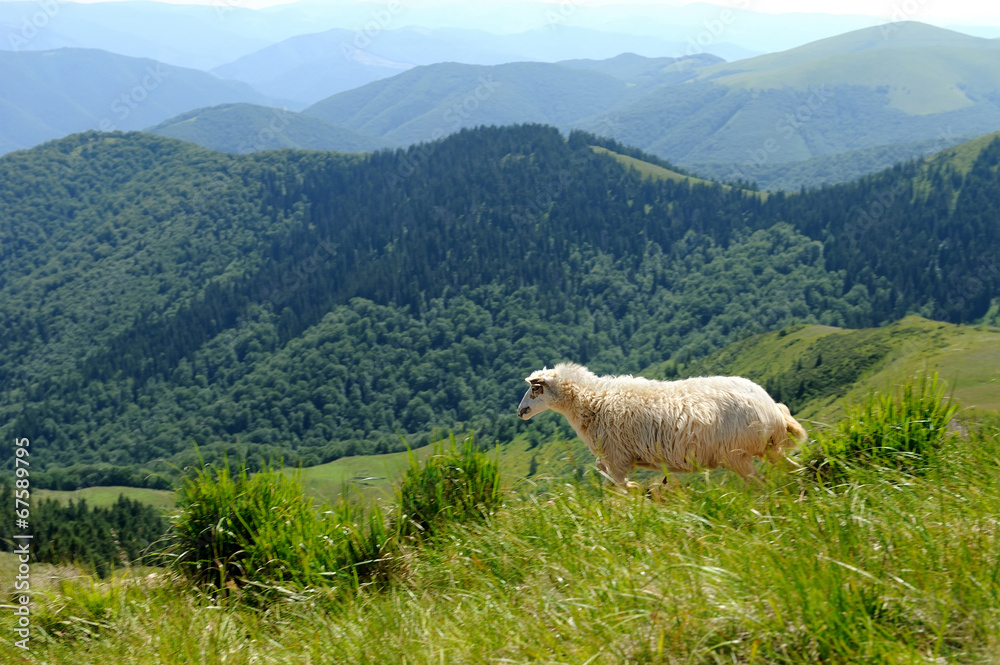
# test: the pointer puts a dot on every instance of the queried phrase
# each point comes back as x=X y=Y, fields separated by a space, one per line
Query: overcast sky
x=975 y=11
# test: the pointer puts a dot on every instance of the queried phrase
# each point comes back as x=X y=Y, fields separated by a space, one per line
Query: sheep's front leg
x=618 y=477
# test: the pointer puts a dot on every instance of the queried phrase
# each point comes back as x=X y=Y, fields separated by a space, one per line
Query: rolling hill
x=857 y=90
x=426 y=103
x=243 y=128
x=49 y=94
x=314 y=305
x=429 y=102
x=927 y=69
x=816 y=369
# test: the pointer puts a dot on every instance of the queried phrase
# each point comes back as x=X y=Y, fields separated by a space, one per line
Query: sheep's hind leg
x=744 y=466
x=779 y=459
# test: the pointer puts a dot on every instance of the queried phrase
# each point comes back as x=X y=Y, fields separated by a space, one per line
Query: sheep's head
x=541 y=392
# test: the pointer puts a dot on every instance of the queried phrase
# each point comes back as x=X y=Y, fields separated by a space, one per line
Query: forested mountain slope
x=309 y=305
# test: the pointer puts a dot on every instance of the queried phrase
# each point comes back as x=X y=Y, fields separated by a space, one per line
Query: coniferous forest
x=304 y=306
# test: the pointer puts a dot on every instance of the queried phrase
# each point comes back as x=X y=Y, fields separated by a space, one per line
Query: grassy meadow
x=883 y=562
x=106 y=496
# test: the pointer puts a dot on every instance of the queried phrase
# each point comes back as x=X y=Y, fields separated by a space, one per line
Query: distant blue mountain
x=49 y=94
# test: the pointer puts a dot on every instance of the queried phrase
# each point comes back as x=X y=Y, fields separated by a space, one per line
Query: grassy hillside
x=309 y=305
x=245 y=128
x=961 y=158
x=641 y=72
x=815 y=369
x=852 y=362
x=649 y=170
x=106 y=496
x=926 y=69
x=657 y=172
x=884 y=567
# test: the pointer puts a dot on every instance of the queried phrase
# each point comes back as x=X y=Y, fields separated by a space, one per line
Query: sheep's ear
x=539 y=381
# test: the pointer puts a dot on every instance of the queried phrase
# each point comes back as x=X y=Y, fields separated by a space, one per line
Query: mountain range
x=855 y=91
x=309 y=68
x=205 y=37
x=826 y=112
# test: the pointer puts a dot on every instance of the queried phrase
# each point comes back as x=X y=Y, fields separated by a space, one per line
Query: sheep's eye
x=536 y=389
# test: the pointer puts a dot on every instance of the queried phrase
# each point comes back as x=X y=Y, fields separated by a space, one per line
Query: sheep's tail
x=792 y=426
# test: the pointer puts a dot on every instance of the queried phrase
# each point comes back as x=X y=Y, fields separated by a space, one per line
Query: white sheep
x=670 y=426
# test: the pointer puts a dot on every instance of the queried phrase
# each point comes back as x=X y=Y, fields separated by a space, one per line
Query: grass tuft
x=456 y=484
x=900 y=430
x=260 y=532
x=260 y=536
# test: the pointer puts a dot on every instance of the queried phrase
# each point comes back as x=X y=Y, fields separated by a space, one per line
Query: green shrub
x=455 y=484
x=260 y=531
x=901 y=430
x=231 y=531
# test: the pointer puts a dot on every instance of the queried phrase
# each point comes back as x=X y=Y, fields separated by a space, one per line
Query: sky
x=972 y=12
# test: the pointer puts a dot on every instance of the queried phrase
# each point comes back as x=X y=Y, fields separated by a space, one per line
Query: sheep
x=671 y=426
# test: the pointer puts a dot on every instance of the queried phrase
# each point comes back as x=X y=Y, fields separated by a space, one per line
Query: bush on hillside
x=900 y=430
x=233 y=530
x=237 y=530
x=456 y=484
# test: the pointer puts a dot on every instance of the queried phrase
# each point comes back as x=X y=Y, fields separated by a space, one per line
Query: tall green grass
x=901 y=429
x=457 y=483
x=232 y=530
x=237 y=531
